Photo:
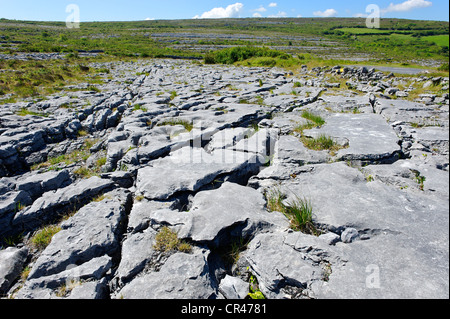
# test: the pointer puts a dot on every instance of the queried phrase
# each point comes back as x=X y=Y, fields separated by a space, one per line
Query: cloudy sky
x=120 y=10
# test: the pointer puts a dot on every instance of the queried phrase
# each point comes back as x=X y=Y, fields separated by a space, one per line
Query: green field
x=441 y=40
x=282 y=42
x=358 y=31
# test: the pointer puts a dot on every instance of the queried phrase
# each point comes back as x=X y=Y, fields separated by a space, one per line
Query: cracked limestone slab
x=230 y=211
x=369 y=136
x=406 y=234
x=188 y=169
x=183 y=276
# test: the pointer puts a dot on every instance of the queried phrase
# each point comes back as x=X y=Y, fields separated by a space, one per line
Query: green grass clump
x=313 y=118
x=275 y=200
x=323 y=142
x=44 y=236
x=25 y=112
x=299 y=212
x=76 y=156
x=172 y=122
x=444 y=67
x=167 y=240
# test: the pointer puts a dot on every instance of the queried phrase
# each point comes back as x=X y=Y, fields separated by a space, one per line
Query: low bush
x=239 y=54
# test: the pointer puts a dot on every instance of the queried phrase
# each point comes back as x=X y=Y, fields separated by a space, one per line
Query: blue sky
x=115 y=10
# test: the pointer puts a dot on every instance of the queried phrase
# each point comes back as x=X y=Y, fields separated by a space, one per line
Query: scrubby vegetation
x=239 y=54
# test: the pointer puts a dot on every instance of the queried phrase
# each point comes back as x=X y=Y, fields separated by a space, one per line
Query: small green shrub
x=242 y=53
x=255 y=293
x=444 y=67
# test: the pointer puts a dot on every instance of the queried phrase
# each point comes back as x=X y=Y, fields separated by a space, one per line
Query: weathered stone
x=188 y=169
x=233 y=288
x=369 y=136
x=183 y=276
x=214 y=218
x=11 y=264
x=349 y=235
x=94 y=231
x=51 y=203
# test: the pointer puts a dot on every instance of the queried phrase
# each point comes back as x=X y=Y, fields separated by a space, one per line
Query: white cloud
x=260 y=9
x=360 y=15
x=407 y=6
x=257 y=15
x=280 y=14
x=232 y=11
x=273 y=4
x=325 y=14
x=149 y=19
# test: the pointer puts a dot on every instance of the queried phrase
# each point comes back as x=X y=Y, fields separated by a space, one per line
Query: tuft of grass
x=76 y=156
x=313 y=118
x=139 y=198
x=172 y=122
x=84 y=172
x=43 y=237
x=173 y=94
x=167 y=240
x=323 y=142
x=138 y=107
x=299 y=211
x=24 y=112
x=275 y=200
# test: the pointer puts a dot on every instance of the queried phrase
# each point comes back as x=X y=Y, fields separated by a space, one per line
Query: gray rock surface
x=183 y=276
x=11 y=263
x=130 y=158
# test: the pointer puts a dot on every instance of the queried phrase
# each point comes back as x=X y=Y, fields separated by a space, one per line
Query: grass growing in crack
x=167 y=240
x=275 y=200
x=172 y=122
x=299 y=211
x=76 y=156
x=24 y=112
x=322 y=142
x=44 y=236
x=313 y=118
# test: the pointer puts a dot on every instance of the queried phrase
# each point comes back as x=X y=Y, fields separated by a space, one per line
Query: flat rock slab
x=12 y=260
x=289 y=149
x=188 y=169
x=46 y=207
x=277 y=264
x=183 y=276
x=92 y=232
x=406 y=234
x=368 y=135
x=214 y=218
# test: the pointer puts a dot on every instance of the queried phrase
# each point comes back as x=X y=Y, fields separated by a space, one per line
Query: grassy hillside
x=196 y=37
